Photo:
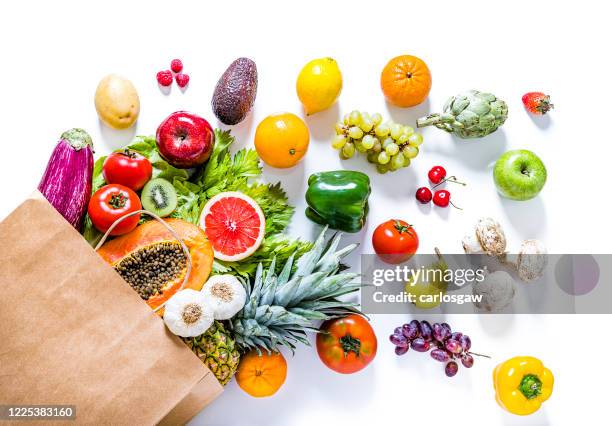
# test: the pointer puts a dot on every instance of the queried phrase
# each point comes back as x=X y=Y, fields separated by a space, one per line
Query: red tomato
x=348 y=344
x=395 y=241
x=127 y=168
x=111 y=202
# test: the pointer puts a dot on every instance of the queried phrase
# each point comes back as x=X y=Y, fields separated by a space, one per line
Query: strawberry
x=537 y=103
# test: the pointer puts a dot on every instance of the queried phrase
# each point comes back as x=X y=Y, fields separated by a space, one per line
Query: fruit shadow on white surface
x=113 y=139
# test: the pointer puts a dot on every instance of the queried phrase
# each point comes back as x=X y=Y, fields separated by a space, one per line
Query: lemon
x=319 y=84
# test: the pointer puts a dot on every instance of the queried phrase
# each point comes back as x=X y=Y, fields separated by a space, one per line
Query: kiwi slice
x=159 y=197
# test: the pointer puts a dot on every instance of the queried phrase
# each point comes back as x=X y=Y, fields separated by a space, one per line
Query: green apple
x=519 y=175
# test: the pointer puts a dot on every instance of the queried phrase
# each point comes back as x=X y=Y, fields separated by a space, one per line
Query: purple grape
x=445 y=325
x=409 y=331
x=456 y=335
x=440 y=355
x=466 y=343
x=397 y=330
x=453 y=346
x=401 y=350
x=437 y=332
x=426 y=331
x=398 y=340
x=451 y=369
x=467 y=360
x=420 y=345
x=415 y=324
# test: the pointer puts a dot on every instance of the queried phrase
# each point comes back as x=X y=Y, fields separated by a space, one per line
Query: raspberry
x=176 y=65
x=182 y=80
x=164 y=78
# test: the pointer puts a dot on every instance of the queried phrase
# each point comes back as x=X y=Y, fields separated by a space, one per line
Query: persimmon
x=405 y=81
x=261 y=375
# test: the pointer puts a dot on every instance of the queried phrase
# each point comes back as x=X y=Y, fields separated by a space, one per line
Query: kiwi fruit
x=159 y=197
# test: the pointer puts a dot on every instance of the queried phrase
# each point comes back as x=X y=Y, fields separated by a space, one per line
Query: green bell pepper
x=338 y=199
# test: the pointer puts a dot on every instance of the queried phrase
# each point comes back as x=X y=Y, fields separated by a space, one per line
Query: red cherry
x=423 y=195
x=437 y=174
x=441 y=198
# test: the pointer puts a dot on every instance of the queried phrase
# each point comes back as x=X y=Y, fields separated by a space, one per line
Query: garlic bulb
x=497 y=291
x=488 y=238
x=226 y=295
x=531 y=260
x=188 y=313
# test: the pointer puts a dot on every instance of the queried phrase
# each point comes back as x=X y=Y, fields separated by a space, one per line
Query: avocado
x=235 y=92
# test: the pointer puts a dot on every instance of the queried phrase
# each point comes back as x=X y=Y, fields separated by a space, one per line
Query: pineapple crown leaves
x=280 y=308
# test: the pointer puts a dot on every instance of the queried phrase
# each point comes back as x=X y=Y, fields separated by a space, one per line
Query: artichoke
x=470 y=114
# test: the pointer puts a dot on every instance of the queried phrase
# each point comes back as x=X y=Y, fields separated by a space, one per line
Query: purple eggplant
x=66 y=183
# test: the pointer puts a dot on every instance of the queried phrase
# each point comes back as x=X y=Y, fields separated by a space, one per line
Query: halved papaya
x=152 y=261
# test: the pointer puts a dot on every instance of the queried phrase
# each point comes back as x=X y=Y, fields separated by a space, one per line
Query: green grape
x=407 y=130
x=354 y=118
x=383 y=158
x=372 y=157
x=406 y=161
x=368 y=141
x=348 y=149
x=366 y=124
x=376 y=119
x=360 y=147
x=410 y=151
x=382 y=168
x=346 y=119
x=387 y=141
x=339 y=141
x=392 y=149
x=396 y=130
x=377 y=146
x=415 y=139
x=397 y=162
x=355 y=132
x=403 y=139
x=365 y=115
x=340 y=128
x=381 y=130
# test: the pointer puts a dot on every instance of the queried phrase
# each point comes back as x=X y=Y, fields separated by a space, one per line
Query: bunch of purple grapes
x=445 y=345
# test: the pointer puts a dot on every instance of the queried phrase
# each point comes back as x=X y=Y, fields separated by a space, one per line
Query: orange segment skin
x=405 y=81
x=153 y=232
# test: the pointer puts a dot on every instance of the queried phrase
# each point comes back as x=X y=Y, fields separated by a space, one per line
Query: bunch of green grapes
x=389 y=145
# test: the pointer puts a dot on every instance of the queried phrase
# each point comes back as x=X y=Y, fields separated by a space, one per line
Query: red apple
x=185 y=140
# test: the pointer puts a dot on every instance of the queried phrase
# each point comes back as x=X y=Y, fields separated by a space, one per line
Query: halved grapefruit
x=234 y=224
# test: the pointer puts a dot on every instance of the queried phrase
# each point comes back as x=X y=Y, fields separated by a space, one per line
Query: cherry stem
x=451 y=203
x=477 y=354
x=452 y=179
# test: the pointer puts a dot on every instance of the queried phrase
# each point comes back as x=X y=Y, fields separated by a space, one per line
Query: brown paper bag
x=73 y=332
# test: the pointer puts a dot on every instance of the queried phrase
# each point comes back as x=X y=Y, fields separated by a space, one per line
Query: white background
x=54 y=53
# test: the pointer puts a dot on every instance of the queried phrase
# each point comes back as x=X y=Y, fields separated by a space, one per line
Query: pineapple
x=217 y=350
x=280 y=308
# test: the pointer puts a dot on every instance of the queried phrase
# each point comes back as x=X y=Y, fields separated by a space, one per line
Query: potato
x=117 y=102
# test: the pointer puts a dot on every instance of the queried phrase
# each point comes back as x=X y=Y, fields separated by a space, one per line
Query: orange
x=281 y=140
x=261 y=375
x=405 y=81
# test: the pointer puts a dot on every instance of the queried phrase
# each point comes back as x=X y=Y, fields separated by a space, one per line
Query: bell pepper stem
x=530 y=386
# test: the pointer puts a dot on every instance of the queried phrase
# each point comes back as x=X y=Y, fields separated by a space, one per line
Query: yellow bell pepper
x=522 y=384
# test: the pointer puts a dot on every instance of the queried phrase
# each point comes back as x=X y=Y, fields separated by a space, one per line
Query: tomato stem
x=117 y=201
x=350 y=344
x=402 y=228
